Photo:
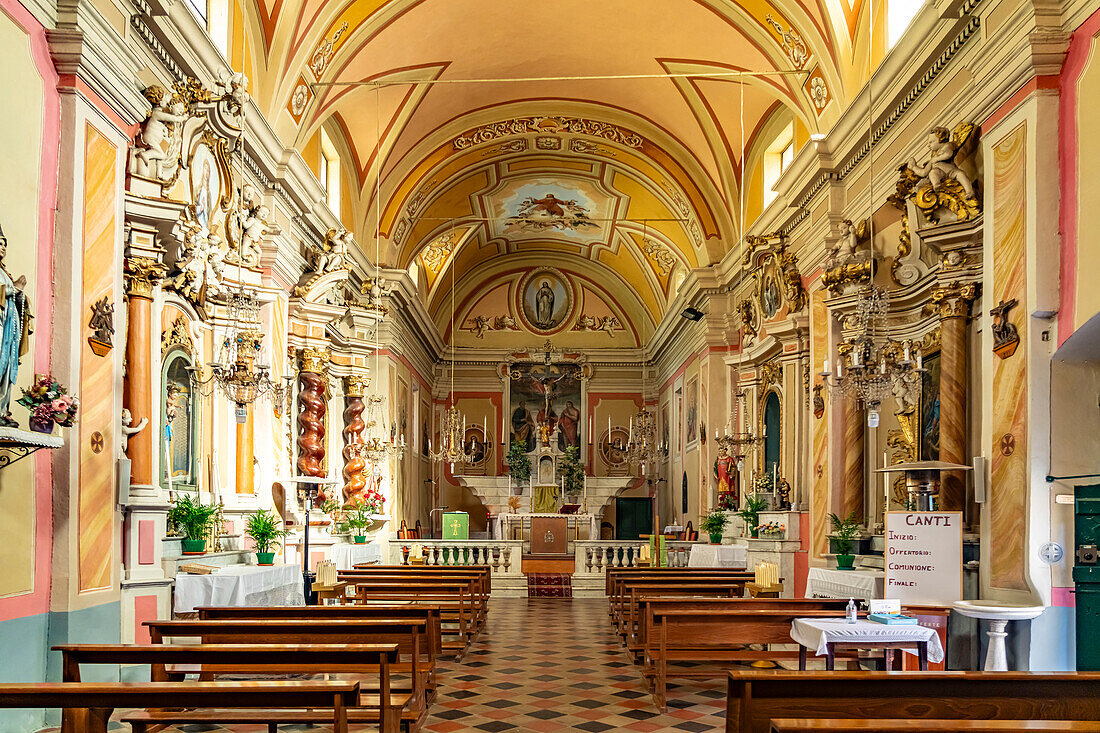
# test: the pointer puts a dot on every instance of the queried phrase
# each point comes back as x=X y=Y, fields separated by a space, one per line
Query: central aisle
x=554 y=665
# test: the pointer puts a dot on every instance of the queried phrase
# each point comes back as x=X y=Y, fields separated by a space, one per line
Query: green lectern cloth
x=456 y=526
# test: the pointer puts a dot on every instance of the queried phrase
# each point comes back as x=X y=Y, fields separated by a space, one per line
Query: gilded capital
x=313 y=360
x=355 y=385
x=953 y=300
x=142 y=275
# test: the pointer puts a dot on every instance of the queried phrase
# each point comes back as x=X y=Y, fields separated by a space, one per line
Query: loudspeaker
x=980 y=467
x=124 y=481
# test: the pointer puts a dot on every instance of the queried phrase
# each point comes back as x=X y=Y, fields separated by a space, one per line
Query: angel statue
x=945 y=151
x=164 y=123
x=906 y=388
x=481 y=325
x=851 y=235
x=128 y=427
x=334 y=254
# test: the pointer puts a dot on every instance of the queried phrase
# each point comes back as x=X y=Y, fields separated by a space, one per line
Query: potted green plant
x=519 y=463
x=713 y=523
x=842 y=540
x=193 y=519
x=751 y=512
x=571 y=471
x=358 y=518
x=264 y=527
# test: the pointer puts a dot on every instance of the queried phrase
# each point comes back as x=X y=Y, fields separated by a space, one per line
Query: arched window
x=179 y=421
x=773 y=432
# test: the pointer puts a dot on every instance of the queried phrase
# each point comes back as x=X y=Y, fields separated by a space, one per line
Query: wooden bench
x=670 y=603
x=613 y=574
x=458 y=610
x=618 y=593
x=714 y=639
x=472 y=585
x=87 y=706
x=483 y=573
x=878 y=725
x=408 y=698
x=756 y=697
x=629 y=619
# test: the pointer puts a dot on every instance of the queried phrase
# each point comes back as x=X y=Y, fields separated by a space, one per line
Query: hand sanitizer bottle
x=850 y=611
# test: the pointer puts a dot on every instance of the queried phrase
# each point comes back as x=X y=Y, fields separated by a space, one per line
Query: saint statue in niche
x=544 y=305
x=15 y=330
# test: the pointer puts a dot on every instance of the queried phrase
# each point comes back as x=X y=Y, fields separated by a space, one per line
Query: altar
x=518 y=526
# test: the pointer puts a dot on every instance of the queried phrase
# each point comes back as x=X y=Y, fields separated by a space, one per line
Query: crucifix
x=548 y=380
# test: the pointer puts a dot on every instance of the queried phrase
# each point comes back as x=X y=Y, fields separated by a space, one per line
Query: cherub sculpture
x=852 y=234
x=376 y=290
x=164 y=124
x=201 y=262
x=481 y=325
x=609 y=324
x=128 y=428
x=945 y=151
x=906 y=388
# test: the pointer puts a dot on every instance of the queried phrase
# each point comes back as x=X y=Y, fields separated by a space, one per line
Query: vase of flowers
x=49 y=404
x=771 y=529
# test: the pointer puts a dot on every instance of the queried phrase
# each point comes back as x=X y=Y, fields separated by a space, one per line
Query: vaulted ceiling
x=624 y=182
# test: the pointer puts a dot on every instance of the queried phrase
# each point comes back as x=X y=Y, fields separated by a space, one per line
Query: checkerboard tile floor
x=549 y=664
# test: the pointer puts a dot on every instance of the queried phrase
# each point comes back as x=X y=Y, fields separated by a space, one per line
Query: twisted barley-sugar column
x=355 y=387
x=851 y=496
x=953 y=305
x=312 y=365
x=142 y=275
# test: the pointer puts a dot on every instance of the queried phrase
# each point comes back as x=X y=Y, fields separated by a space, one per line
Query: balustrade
x=502 y=556
x=593 y=557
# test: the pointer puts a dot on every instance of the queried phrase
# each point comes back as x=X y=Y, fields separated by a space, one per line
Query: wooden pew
x=408 y=634
x=89 y=705
x=474 y=586
x=164 y=662
x=617 y=585
x=611 y=574
x=755 y=697
x=670 y=603
x=714 y=639
x=878 y=725
x=484 y=573
x=628 y=619
x=458 y=611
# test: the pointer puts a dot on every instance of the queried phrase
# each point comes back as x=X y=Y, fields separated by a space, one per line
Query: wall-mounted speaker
x=124 y=481
x=981 y=466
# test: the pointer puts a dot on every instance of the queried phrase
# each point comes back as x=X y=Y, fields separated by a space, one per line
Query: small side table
x=827 y=636
x=336 y=592
x=764 y=591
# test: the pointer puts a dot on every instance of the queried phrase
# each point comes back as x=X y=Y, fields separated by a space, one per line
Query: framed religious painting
x=928 y=425
x=691 y=413
x=530 y=410
x=480 y=447
x=665 y=431
x=612 y=447
x=425 y=427
x=546 y=300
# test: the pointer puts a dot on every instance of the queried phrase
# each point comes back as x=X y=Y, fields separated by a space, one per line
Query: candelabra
x=238 y=373
x=641 y=446
x=736 y=443
x=380 y=443
x=452 y=432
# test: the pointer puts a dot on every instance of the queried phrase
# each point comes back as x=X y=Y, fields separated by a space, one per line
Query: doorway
x=633 y=517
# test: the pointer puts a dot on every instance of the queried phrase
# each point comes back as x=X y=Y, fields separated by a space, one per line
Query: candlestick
x=825 y=366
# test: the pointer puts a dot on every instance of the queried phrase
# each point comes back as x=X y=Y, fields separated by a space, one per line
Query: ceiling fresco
x=468 y=147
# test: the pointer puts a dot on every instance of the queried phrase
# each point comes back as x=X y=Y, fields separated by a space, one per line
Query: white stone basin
x=997 y=610
x=998 y=613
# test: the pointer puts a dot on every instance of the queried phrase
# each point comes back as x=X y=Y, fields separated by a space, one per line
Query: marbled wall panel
x=1008 y=487
x=819 y=476
x=98 y=420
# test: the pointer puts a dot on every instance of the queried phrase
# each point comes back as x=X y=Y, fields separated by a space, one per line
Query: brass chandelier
x=238 y=373
x=380 y=443
x=736 y=443
x=452 y=432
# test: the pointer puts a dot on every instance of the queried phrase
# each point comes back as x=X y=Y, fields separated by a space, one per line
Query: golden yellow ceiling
x=624 y=181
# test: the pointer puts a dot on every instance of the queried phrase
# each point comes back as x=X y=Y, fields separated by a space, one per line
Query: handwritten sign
x=924 y=557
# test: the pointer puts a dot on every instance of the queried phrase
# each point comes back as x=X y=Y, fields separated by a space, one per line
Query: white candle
x=825 y=366
x=920 y=361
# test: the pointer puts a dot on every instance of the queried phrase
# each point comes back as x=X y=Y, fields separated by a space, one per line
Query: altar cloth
x=718 y=556
x=347 y=555
x=859 y=584
x=240 y=585
x=818 y=633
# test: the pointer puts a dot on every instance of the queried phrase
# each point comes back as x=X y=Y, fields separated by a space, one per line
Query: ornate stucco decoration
x=557 y=124
x=770 y=373
x=779 y=290
x=142 y=275
x=935 y=188
x=953 y=300
x=157 y=148
x=376 y=290
x=332 y=255
x=435 y=255
x=747 y=312
x=1006 y=337
x=313 y=360
x=659 y=255
x=850 y=263
x=482 y=324
x=607 y=324
x=792 y=43
x=200 y=263
x=325 y=50
x=247 y=224
x=177 y=335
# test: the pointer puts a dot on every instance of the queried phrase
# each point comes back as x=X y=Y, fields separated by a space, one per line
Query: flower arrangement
x=764 y=483
x=727 y=501
x=49 y=403
x=372 y=500
x=771 y=529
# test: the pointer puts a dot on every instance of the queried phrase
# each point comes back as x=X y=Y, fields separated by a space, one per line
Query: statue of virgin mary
x=15 y=321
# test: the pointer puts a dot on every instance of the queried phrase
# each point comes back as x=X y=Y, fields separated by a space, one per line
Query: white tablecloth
x=718 y=556
x=861 y=584
x=346 y=556
x=815 y=633
x=240 y=585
